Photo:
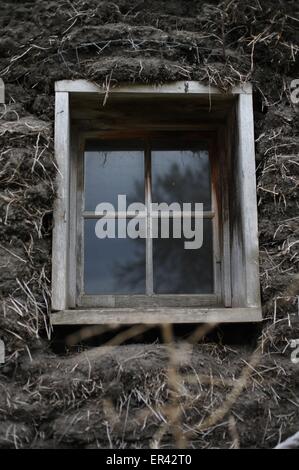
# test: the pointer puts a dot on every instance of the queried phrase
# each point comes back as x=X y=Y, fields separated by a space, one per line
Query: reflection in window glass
x=109 y=173
x=181 y=271
x=181 y=176
x=112 y=266
x=118 y=265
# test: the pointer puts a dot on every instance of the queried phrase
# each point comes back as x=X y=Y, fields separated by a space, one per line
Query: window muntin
x=175 y=170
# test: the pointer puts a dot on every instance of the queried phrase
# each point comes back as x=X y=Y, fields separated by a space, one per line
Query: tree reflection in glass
x=181 y=176
x=117 y=266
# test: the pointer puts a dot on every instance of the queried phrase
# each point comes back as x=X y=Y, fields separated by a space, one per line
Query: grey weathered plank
x=61 y=206
x=2 y=91
x=156 y=316
x=160 y=300
x=248 y=199
x=181 y=87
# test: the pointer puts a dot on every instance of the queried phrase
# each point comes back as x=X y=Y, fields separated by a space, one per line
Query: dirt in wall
x=124 y=396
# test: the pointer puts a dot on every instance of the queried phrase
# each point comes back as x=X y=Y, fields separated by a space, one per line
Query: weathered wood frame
x=149 y=299
x=241 y=268
x=2 y=91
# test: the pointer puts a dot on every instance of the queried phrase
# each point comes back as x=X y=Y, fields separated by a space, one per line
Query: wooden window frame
x=240 y=300
x=149 y=299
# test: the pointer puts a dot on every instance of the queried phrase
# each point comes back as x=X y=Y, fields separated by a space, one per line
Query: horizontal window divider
x=154 y=214
x=178 y=214
x=112 y=215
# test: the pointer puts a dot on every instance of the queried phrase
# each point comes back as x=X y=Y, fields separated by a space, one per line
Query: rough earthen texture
x=119 y=399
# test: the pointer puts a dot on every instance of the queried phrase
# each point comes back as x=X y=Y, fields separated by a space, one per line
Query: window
x=128 y=168
x=151 y=168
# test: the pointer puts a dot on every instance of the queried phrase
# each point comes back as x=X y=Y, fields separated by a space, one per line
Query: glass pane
x=112 y=265
x=181 y=176
x=178 y=270
x=109 y=173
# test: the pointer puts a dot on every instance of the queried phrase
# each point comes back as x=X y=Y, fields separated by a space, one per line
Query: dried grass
x=185 y=395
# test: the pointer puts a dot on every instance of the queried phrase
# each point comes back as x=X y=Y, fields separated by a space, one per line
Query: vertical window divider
x=149 y=221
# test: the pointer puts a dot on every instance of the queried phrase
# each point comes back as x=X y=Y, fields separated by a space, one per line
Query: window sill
x=127 y=316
